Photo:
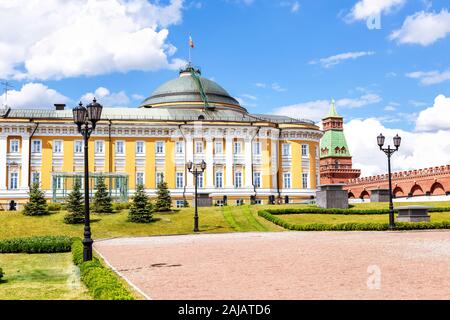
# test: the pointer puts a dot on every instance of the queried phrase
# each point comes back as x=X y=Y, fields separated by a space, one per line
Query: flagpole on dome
x=191 y=46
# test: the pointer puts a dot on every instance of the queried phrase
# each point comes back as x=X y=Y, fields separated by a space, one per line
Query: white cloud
x=249 y=96
x=316 y=110
x=69 y=38
x=365 y=9
x=423 y=28
x=428 y=78
x=107 y=98
x=436 y=117
x=294 y=6
x=339 y=58
x=34 y=95
x=274 y=86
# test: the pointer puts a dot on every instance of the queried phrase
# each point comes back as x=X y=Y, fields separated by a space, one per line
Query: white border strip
x=123 y=276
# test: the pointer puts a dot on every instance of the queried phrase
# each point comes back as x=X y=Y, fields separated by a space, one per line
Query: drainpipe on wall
x=29 y=152
x=278 y=165
x=109 y=145
x=253 y=178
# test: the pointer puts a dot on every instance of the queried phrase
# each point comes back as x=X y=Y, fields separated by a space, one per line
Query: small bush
x=54 y=207
x=101 y=282
x=49 y=244
x=315 y=210
x=119 y=206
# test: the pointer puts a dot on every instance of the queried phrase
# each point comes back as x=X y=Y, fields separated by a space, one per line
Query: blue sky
x=287 y=57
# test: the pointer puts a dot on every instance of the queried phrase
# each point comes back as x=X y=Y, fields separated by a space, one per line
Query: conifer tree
x=141 y=207
x=75 y=206
x=102 y=199
x=36 y=205
x=163 y=200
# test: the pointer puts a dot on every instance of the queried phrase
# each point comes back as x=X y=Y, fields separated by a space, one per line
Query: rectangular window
x=180 y=180
x=159 y=147
x=200 y=180
x=238 y=179
x=139 y=178
x=305 y=180
x=199 y=147
x=219 y=179
x=159 y=178
x=180 y=203
x=237 y=148
x=36 y=177
x=36 y=146
x=287 y=180
x=57 y=146
x=257 y=179
x=317 y=180
x=14 y=146
x=120 y=147
x=257 y=148
x=119 y=184
x=305 y=150
x=286 y=149
x=99 y=147
x=78 y=147
x=218 y=147
x=58 y=183
x=179 y=147
x=13 y=180
x=140 y=147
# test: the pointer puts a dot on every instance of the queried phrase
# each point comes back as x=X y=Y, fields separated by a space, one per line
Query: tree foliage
x=141 y=208
x=36 y=205
x=75 y=205
x=163 y=200
x=102 y=199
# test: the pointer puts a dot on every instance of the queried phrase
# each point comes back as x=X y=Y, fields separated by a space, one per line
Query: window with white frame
x=238 y=179
x=159 y=147
x=36 y=178
x=78 y=146
x=305 y=150
x=179 y=181
x=179 y=147
x=257 y=148
x=120 y=147
x=286 y=149
x=180 y=203
x=219 y=179
x=286 y=180
x=118 y=184
x=305 y=180
x=14 y=146
x=140 y=147
x=57 y=146
x=36 y=146
x=237 y=147
x=200 y=180
x=139 y=178
x=159 y=178
x=257 y=179
x=57 y=183
x=13 y=180
x=218 y=147
x=198 y=146
x=99 y=147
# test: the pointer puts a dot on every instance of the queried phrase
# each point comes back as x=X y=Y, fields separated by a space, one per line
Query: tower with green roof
x=335 y=157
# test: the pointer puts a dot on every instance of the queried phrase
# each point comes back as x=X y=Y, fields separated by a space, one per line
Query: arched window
x=337 y=150
x=336 y=164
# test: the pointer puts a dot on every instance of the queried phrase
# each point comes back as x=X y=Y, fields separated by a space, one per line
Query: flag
x=191 y=42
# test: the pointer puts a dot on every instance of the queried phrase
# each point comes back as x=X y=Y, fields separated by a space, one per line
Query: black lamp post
x=389 y=152
x=196 y=170
x=86 y=120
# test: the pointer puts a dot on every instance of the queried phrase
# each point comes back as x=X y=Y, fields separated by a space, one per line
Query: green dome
x=186 y=89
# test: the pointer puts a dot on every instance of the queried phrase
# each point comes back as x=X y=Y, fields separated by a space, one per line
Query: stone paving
x=286 y=265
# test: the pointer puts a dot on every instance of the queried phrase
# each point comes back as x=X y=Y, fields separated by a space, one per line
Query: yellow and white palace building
x=250 y=157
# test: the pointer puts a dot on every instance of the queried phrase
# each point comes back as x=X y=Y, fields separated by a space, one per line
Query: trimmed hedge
x=315 y=210
x=101 y=282
x=1 y=274
x=351 y=226
x=50 y=244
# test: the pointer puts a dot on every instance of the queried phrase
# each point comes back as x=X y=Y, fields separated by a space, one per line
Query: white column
x=3 y=152
x=209 y=155
x=229 y=162
x=189 y=157
x=25 y=161
x=275 y=163
x=248 y=163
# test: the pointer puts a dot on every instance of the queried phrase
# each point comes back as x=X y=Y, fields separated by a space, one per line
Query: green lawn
x=40 y=277
x=211 y=220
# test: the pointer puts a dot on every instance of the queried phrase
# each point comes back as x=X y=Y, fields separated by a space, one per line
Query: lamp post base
x=87 y=249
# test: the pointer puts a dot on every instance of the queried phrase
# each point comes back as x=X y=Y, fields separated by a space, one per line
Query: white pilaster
x=209 y=155
x=229 y=162
x=189 y=157
x=248 y=164
x=25 y=162
x=275 y=164
x=3 y=152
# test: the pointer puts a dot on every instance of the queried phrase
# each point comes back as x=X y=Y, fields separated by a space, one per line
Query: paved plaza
x=286 y=265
